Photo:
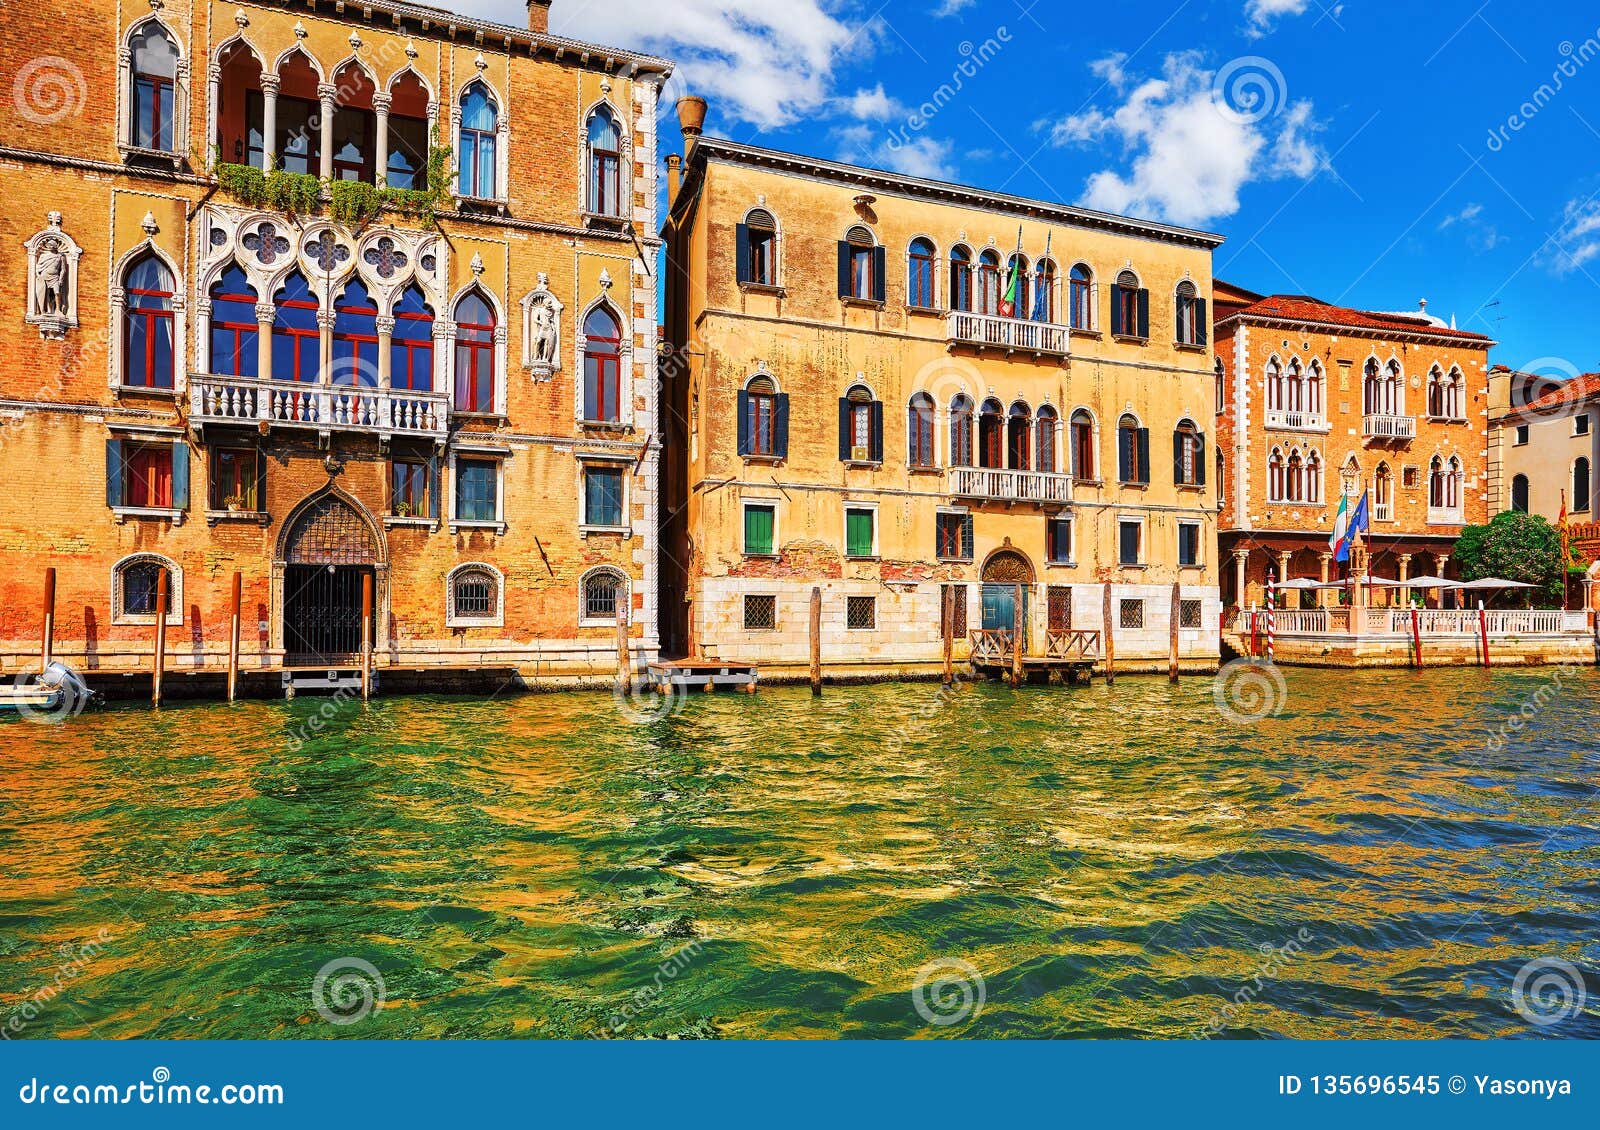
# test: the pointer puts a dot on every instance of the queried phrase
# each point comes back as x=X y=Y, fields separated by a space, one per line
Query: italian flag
x=1008 y=301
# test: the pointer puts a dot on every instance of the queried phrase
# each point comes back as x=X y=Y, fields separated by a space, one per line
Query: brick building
x=316 y=293
x=1315 y=401
x=854 y=406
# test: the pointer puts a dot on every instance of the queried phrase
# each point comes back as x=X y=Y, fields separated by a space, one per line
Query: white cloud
x=1113 y=69
x=1261 y=14
x=872 y=105
x=920 y=157
x=951 y=7
x=1479 y=234
x=1190 y=153
x=769 y=64
x=1578 y=242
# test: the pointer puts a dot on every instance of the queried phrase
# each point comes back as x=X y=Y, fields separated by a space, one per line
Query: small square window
x=1131 y=614
x=1058 y=541
x=233 y=479
x=1410 y=477
x=760 y=613
x=1130 y=538
x=1580 y=424
x=477 y=488
x=861 y=612
x=409 y=486
x=1189 y=614
x=602 y=496
x=1522 y=435
x=147 y=471
x=954 y=536
x=858 y=532
x=1188 y=543
x=760 y=520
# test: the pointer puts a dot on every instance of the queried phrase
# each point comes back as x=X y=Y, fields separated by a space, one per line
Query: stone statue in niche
x=52 y=279
x=541 y=331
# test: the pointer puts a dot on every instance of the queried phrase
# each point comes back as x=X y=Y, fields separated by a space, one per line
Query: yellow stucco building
x=882 y=386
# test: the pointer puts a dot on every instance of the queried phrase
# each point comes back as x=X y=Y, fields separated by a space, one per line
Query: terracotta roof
x=1304 y=308
x=1576 y=389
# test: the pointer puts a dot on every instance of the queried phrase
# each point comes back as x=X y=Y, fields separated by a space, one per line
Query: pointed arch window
x=1372 y=388
x=235 y=335
x=1045 y=449
x=1383 y=494
x=605 y=164
x=602 y=367
x=408 y=132
x=961 y=431
x=1081 y=297
x=1294 y=480
x=1313 y=397
x=154 y=63
x=296 y=339
x=1295 y=386
x=355 y=337
x=1275 y=476
x=411 y=344
x=1277 y=400
x=960 y=278
x=919 y=274
x=919 y=431
x=354 y=125
x=480 y=121
x=1350 y=477
x=148 y=349
x=475 y=368
x=1455 y=398
x=1313 y=477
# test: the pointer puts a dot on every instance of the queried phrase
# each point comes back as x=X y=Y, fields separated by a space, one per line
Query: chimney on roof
x=691 y=120
x=539 y=16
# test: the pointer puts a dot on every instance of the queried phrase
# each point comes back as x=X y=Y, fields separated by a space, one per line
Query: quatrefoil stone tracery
x=327 y=252
x=385 y=258
x=266 y=243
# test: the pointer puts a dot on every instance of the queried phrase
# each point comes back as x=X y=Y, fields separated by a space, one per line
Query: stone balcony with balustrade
x=1009 y=335
x=1389 y=427
x=1293 y=420
x=351 y=409
x=995 y=484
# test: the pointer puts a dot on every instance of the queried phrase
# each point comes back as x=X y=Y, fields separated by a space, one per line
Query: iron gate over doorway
x=330 y=555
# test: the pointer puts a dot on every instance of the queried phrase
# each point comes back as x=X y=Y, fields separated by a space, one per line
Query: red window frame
x=603 y=368
x=147 y=476
x=763 y=416
x=408 y=483
x=158 y=86
x=478 y=341
x=152 y=319
x=237 y=329
x=298 y=336
x=355 y=340
x=411 y=348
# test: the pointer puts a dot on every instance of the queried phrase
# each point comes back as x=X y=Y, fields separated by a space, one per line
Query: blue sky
x=1369 y=153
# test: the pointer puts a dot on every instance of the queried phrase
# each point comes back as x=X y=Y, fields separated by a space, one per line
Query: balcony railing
x=1011 y=334
x=1446 y=516
x=1429 y=622
x=1283 y=420
x=1010 y=486
x=1389 y=427
x=324 y=408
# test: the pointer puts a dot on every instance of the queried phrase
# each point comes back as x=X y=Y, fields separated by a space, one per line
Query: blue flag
x=1358 y=521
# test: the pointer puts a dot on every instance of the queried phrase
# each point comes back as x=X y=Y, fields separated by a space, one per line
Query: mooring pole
x=47 y=646
x=1483 y=631
x=816 y=641
x=1255 y=634
x=1016 y=639
x=1172 y=648
x=1111 y=651
x=160 y=662
x=1416 y=637
x=623 y=672
x=949 y=617
x=233 y=638
x=366 y=635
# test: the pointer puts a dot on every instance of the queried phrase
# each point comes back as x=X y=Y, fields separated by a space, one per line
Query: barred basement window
x=1132 y=614
x=760 y=613
x=474 y=594
x=1189 y=614
x=861 y=612
x=1059 y=608
x=601 y=591
x=958 y=621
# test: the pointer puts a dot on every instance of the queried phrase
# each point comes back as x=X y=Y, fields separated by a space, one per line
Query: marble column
x=380 y=112
x=385 y=342
x=269 y=122
x=326 y=93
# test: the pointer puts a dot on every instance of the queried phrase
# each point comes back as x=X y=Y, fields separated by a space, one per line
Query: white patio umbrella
x=1432 y=583
x=1489 y=584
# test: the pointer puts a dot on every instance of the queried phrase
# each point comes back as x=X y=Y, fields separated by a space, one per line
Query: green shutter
x=858 y=533
x=180 y=476
x=758 y=529
x=114 y=472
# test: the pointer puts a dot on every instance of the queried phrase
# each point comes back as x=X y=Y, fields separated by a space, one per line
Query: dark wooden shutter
x=1144 y=455
x=261 y=480
x=180 y=476
x=741 y=242
x=844 y=269
x=435 y=486
x=1125 y=459
x=1200 y=458
x=1179 y=438
x=880 y=270
x=844 y=429
x=780 y=425
x=1144 y=312
x=877 y=431
x=1201 y=328
x=1116 y=310
x=114 y=475
x=744 y=422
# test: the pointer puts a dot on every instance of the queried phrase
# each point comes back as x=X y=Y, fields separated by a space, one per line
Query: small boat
x=58 y=694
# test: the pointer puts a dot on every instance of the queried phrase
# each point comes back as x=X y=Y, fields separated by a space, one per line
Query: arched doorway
x=1006 y=575
x=329 y=548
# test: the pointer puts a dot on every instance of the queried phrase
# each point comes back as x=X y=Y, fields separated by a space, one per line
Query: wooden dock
x=682 y=675
x=1068 y=655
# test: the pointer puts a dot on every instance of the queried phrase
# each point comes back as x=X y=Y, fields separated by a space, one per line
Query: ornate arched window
x=1044 y=292
x=136 y=582
x=920 y=260
x=1455 y=395
x=1044 y=458
x=1081 y=445
x=153 y=62
x=411 y=343
x=919 y=431
x=1019 y=423
x=1372 y=388
x=477 y=158
x=148 y=347
x=1350 y=477
x=961 y=431
x=355 y=337
x=1275 y=476
x=602 y=367
x=1277 y=400
x=1014 y=288
x=1294 y=480
x=991 y=435
x=354 y=125
x=605 y=163
x=408 y=132
x=475 y=596
x=1314 y=388
x=600 y=593
x=1383 y=494
x=1081 y=298
x=475 y=364
x=235 y=334
x=1436 y=483
x=1313 y=477
x=1295 y=386
x=296 y=338
x=960 y=278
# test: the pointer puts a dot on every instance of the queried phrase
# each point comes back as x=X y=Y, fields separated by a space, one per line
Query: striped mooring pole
x=1272 y=606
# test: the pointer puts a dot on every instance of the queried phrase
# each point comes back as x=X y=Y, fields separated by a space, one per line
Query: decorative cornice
x=1469 y=341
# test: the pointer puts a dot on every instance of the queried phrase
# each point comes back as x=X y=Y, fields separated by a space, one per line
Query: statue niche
x=52 y=279
x=541 y=331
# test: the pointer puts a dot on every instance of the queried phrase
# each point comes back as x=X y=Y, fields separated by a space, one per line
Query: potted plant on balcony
x=234 y=503
x=404 y=510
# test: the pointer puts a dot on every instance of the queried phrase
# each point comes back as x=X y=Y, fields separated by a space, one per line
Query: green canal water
x=1381 y=858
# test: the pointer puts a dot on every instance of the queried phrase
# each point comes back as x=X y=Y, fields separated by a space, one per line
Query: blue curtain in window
x=148 y=321
x=234 y=335
x=475 y=492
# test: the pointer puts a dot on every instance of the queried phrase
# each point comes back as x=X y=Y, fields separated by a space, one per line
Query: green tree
x=1515 y=547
